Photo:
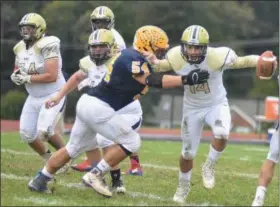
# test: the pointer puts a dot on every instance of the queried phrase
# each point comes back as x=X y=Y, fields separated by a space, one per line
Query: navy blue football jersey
x=119 y=88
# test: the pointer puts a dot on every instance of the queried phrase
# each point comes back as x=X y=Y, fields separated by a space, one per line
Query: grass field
x=236 y=178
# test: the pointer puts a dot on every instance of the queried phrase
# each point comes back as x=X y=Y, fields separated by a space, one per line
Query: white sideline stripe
x=82 y=187
x=163 y=167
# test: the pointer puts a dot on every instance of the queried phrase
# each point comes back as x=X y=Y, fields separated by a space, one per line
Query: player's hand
x=151 y=58
x=14 y=77
x=86 y=83
x=52 y=101
x=194 y=77
x=23 y=78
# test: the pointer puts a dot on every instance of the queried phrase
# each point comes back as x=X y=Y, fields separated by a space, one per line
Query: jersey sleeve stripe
x=225 y=60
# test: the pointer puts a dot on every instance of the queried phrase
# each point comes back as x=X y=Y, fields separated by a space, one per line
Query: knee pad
x=273 y=155
x=220 y=132
x=75 y=149
x=189 y=148
x=131 y=141
x=26 y=138
x=44 y=134
x=103 y=142
x=187 y=154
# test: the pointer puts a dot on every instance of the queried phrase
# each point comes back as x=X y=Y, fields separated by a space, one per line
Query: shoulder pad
x=119 y=39
x=85 y=63
x=216 y=57
x=175 y=58
x=18 y=47
x=43 y=42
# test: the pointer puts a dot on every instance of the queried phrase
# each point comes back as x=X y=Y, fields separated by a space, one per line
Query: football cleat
x=208 y=174
x=182 y=191
x=82 y=167
x=64 y=168
x=258 y=201
x=135 y=169
x=117 y=186
x=97 y=183
x=39 y=183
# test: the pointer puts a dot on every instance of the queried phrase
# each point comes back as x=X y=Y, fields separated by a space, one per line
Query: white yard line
x=246 y=175
x=82 y=187
x=255 y=149
x=163 y=167
x=44 y=201
x=17 y=152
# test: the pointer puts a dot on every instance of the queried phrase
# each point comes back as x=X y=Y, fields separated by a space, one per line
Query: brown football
x=265 y=65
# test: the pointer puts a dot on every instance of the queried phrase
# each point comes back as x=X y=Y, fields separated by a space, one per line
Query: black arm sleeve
x=154 y=80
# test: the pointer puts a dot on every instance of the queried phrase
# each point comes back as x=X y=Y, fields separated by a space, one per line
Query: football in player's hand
x=265 y=65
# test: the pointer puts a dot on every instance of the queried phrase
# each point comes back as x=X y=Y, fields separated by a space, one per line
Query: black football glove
x=194 y=77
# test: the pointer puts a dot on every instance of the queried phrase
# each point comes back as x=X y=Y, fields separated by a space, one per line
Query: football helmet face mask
x=32 y=27
x=102 y=18
x=151 y=39
x=101 y=46
x=194 y=43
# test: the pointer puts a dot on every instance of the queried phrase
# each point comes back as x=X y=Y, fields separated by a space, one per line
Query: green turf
x=236 y=178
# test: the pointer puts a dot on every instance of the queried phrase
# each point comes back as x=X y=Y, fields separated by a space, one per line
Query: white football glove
x=15 y=78
x=23 y=78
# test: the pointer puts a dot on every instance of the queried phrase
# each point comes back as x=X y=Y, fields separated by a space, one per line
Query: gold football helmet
x=32 y=27
x=102 y=18
x=194 y=43
x=101 y=46
x=151 y=39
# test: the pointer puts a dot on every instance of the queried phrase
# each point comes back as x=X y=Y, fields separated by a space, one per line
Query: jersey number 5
x=204 y=87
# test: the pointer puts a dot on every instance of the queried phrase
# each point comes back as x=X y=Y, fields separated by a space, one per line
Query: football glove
x=194 y=77
x=23 y=78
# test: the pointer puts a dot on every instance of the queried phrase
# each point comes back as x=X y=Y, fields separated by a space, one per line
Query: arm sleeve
x=233 y=61
x=163 y=66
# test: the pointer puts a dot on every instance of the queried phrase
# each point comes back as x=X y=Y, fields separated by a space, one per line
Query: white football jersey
x=119 y=40
x=213 y=91
x=31 y=61
x=94 y=73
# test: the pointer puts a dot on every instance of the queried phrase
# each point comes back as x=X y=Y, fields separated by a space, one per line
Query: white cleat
x=97 y=183
x=117 y=186
x=64 y=168
x=258 y=202
x=208 y=174
x=182 y=191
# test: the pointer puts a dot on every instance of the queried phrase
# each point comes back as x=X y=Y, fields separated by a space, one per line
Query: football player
x=95 y=67
x=38 y=67
x=266 y=172
x=102 y=17
x=103 y=109
x=203 y=103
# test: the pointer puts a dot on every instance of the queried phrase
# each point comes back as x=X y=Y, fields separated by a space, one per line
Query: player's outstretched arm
x=158 y=80
x=158 y=65
x=70 y=85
